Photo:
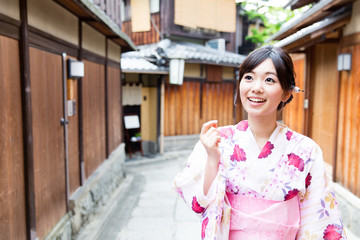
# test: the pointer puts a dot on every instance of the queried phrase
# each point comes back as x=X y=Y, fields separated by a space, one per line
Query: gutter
x=105 y=19
x=310 y=29
x=296 y=20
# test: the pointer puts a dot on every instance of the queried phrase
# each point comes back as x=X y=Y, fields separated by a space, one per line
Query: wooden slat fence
x=141 y=38
x=48 y=142
x=12 y=190
x=114 y=112
x=93 y=116
x=323 y=99
x=293 y=113
x=348 y=141
x=188 y=106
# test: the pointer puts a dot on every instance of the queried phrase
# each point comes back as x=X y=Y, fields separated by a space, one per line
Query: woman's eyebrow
x=273 y=73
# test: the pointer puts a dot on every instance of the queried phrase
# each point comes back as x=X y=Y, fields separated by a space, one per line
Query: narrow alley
x=146 y=205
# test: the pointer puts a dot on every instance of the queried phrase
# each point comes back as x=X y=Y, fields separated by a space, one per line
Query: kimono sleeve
x=189 y=183
x=320 y=216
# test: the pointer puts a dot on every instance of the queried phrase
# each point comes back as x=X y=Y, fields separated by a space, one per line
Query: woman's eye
x=269 y=80
x=247 y=77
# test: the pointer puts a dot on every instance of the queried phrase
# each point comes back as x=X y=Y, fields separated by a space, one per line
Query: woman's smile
x=261 y=91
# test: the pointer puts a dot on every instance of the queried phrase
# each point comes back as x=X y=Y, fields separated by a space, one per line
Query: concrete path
x=147 y=206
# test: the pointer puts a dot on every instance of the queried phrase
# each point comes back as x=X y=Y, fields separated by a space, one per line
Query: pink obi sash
x=255 y=218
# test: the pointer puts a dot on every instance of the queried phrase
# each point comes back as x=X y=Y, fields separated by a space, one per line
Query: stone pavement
x=146 y=206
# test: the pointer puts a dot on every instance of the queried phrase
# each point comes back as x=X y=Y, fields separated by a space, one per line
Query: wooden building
x=46 y=153
x=325 y=42
x=167 y=30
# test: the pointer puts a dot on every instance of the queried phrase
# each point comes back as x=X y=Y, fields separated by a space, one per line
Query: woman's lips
x=256 y=100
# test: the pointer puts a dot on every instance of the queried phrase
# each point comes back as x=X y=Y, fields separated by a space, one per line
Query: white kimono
x=289 y=165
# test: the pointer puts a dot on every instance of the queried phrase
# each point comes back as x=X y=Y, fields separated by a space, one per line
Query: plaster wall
x=114 y=51
x=10 y=8
x=93 y=40
x=51 y=18
x=353 y=26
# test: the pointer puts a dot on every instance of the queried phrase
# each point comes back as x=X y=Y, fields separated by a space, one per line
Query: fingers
x=210 y=136
x=206 y=126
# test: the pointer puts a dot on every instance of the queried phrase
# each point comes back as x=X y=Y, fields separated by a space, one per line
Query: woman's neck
x=262 y=128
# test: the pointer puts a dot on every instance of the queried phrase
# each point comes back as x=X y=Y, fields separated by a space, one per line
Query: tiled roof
x=191 y=52
x=132 y=62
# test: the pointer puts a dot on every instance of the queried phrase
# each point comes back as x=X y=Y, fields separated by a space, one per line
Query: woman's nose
x=257 y=87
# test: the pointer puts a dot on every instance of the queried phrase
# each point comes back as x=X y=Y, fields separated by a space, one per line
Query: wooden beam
x=352 y=39
x=27 y=123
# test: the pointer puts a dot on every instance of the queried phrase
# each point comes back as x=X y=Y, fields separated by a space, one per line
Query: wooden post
x=27 y=123
x=80 y=112
x=107 y=150
x=162 y=115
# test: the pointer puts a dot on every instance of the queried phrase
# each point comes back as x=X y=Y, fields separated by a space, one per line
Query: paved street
x=147 y=207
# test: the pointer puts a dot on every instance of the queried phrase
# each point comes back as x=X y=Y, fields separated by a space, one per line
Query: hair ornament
x=297 y=90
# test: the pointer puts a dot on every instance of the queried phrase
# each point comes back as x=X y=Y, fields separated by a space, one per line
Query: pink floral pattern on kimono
x=289 y=165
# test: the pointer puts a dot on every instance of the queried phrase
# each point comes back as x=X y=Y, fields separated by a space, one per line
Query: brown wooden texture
x=348 y=142
x=48 y=133
x=183 y=115
x=141 y=38
x=73 y=140
x=115 y=113
x=12 y=190
x=293 y=113
x=93 y=116
x=214 y=73
x=323 y=98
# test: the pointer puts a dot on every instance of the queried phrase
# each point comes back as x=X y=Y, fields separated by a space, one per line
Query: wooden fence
x=48 y=134
x=334 y=110
x=188 y=106
x=12 y=189
x=294 y=113
x=348 y=140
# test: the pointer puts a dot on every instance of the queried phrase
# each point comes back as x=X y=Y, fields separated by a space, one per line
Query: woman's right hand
x=210 y=138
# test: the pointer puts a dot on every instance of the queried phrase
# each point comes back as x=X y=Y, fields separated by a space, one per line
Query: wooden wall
x=348 y=141
x=48 y=139
x=73 y=139
x=323 y=98
x=293 y=114
x=141 y=38
x=115 y=108
x=93 y=116
x=188 y=106
x=12 y=190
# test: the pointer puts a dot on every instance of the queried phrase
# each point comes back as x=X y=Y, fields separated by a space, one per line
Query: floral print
x=291 y=194
x=196 y=206
x=266 y=151
x=289 y=165
x=242 y=126
x=296 y=161
x=227 y=132
x=332 y=232
x=238 y=154
x=289 y=135
x=203 y=227
x=308 y=180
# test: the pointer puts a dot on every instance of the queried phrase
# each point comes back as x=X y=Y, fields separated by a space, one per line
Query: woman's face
x=261 y=91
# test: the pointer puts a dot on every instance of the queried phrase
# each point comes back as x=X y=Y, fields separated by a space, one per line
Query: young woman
x=259 y=179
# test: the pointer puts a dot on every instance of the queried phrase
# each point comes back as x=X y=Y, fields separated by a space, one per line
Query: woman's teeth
x=256 y=100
